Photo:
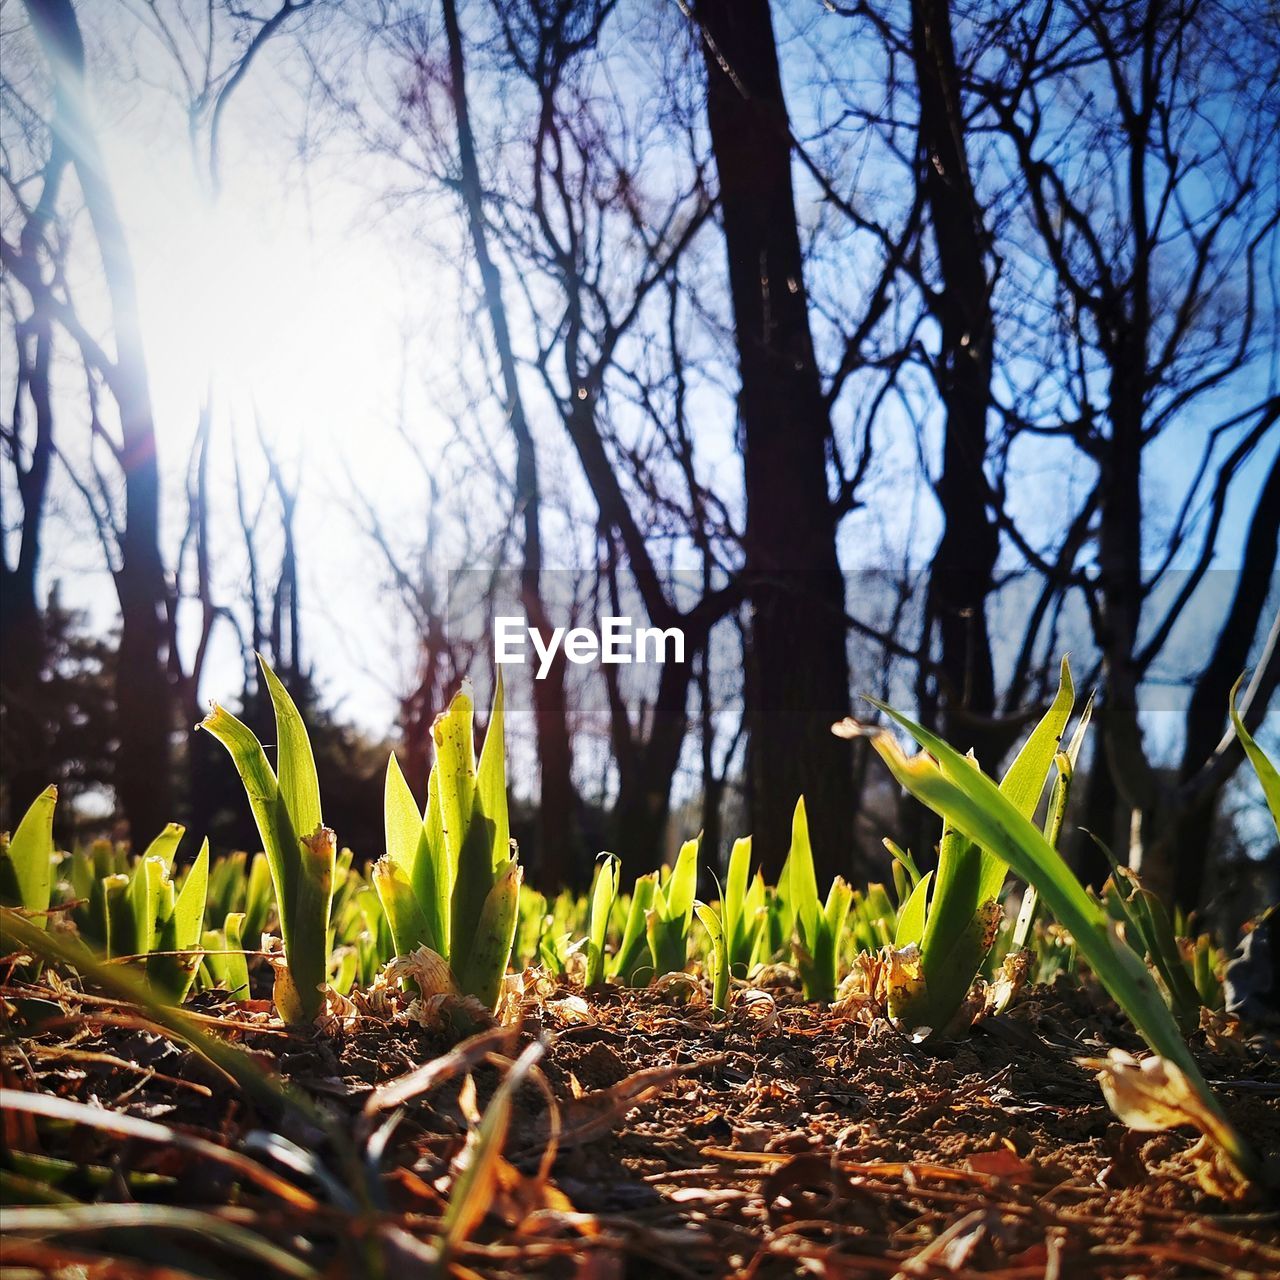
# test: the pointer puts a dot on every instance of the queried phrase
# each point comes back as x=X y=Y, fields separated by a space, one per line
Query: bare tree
x=798 y=672
x=144 y=700
x=1154 y=224
x=962 y=574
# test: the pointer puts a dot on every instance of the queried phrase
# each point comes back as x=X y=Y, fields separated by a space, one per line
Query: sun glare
x=288 y=305
x=288 y=323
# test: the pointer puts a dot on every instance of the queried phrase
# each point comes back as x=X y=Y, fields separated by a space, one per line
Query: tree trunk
x=1120 y=565
x=712 y=783
x=800 y=668
x=144 y=701
x=639 y=819
x=961 y=575
x=557 y=854
x=27 y=766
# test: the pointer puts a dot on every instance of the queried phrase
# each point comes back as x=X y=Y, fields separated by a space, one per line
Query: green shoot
x=1059 y=797
x=603 y=891
x=1266 y=771
x=818 y=926
x=177 y=930
x=449 y=880
x=26 y=860
x=668 y=920
x=976 y=808
x=743 y=909
x=224 y=956
x=964 y=912
x=912 y=916
x=632 y=961
x=1150 y=932
x=300 y=850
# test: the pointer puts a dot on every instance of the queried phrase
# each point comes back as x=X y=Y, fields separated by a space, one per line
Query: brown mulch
x=797 y=1143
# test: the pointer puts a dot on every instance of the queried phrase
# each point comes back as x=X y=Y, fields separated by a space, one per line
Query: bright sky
x=293 y=293
x=290 y=299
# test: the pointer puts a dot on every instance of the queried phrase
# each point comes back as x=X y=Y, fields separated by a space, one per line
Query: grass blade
x=1266 y=771
x=235 y=962
x=279 y=843
x=409 y=928
x=801 y=879
x=495 y=933
x=734 y=904
x=911 y=920
x=165 y=845
x=490 y=822
x=630 y=961
x=181 y=932
x=295 y=764
x=414 y=865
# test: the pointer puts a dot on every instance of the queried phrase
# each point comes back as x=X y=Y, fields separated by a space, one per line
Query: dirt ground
x=786 y=1142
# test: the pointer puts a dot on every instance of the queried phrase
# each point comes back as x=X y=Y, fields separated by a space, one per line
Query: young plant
x=1150 y=932
x=300 y=849
x=1059 y=797
x=135 y=908
x=171 y=920
x=974 y=807
x=449 y=880
x=668 y=920
x=225 y=963
x=26 y=860
x=239 y=884
x=742 y=909
x=1262 y=766
x=604 y=889
x=718 y=956
x=906 y=875
x=956 y=927
x=818 y=926
x=632 y=964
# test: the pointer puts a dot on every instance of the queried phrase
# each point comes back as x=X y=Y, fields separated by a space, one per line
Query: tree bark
x=144 y=698
x=800 y=669
x=960 y=578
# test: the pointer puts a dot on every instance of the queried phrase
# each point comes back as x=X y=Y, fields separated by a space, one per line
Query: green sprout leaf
x=1262 y=766
x=964 y=910
x=668 y=921
x=26 y=860
x=449 y=879
x=300 y=850
x=632 y=960
x=181 y=932
x=603 y=892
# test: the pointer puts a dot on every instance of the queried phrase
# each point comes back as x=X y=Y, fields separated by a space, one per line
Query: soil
x=789 y=1141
